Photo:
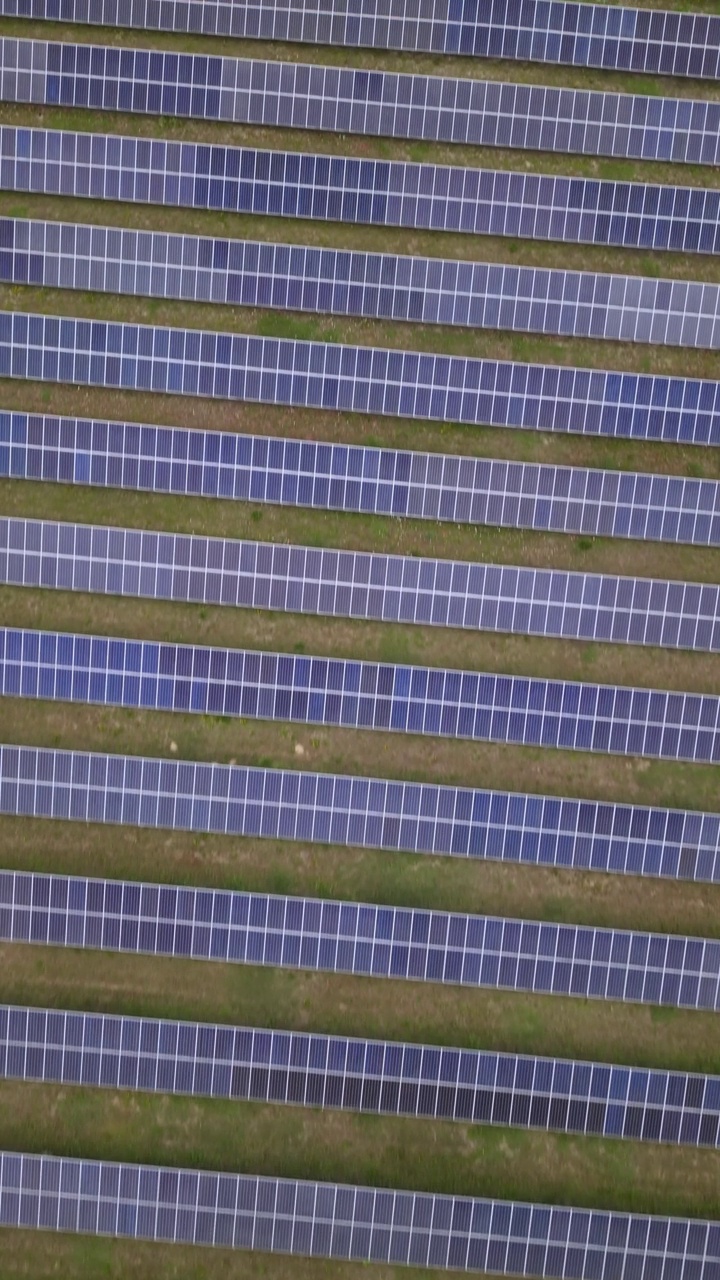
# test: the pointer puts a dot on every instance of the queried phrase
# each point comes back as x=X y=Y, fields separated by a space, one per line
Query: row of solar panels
x=321 y=935
x=322 y=375
x=399 y=193
x=373 y=813
x=355 y=584
x=360 y=695
x=334 y=1072
x=576 y=34
x=327 y=476
x=354 y=283
x=327 y=1220
x=371 y=103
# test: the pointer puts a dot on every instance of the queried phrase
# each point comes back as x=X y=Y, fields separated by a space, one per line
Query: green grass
x=448 y=1158
x=364 y=752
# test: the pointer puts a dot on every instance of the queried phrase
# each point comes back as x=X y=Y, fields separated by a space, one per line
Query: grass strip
x=383 y=1151
x=334 y=1004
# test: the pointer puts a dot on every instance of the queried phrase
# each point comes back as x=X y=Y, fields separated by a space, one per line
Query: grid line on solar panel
x=376 y=481
x=343 y=282
x=355 y=811
x=376 y=192
x=335 y=1072
x=371 y=103
x=372 y=380
x=354 y=694
x=350 y=584
x=360 y=939
x=329 y=1220
x=582 y=35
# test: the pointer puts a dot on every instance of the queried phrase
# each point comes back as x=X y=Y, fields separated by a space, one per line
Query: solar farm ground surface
x=304 y=1143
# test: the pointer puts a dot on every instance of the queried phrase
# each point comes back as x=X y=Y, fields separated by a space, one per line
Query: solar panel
x=334 y=1072
x=354 y=584
x=360 y=695
x=371 y=103
x=328 y=1220
x=357 y=938
x=376 y=481
x=411 y=817
x=376 y=192
x=580 y=35
x=343 y=282
x=374 y=380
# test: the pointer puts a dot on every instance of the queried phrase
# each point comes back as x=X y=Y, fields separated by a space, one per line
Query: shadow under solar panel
x=398 y=193
x=371 y=103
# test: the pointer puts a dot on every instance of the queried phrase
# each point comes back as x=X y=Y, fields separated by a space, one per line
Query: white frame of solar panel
x=329 y=1220
x=373 y=380
x=353 y=584
x=366 y=192
x=586 y=35
x=357 y=284
x=376 y=813
x=371 y=103
x=360 y=939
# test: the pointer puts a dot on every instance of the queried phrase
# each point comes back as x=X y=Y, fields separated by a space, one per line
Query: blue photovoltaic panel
x=580 y=35
x=377 y=286
x=372 y=103
x=359 y=478
x=360 y=695
x=328 y=1220
x=322 y=375
x=376 y=192
x=356 y=584
x=412 y=817
x=357 y=938
x=334 y=1072
x=376 y=481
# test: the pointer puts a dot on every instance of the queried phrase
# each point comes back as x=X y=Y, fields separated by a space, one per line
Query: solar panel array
x=372 y=813
x=202 y=1060
x=398 y=193
x=355 y=584
x=371 y=380
x=357 y=938
x=328 y=1220
x=371 y=103
x=380 y=481
x=374 y=286
x=318 y=935
x=360 y=695
x=581 y=35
